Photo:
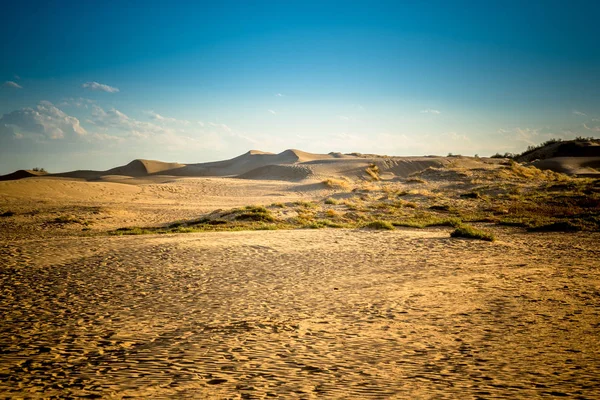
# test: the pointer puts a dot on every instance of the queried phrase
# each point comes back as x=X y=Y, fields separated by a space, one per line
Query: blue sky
x=96 y=84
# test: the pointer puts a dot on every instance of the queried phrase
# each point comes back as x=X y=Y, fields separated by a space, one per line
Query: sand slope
x=21 y=174
x=289 y=165
x=580 y=166
x=301 y=314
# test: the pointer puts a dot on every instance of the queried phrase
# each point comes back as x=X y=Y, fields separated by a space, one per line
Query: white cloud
x=99 y=87
x=45 y=121
x=278 y=95
x=200 y=123
x=162 y=119
x=579 y=113
x=78 y=103
x=272 y=112
x=344 y=118
x=430 y=111
x=11 y=84
x=592 y=128
x=220 y=126
x=157 y=117
x=456 y=136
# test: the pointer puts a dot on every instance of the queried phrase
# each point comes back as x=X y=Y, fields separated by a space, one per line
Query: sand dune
x=304 y=313
x=21 y=174
x=289 y=165
x=580 y=166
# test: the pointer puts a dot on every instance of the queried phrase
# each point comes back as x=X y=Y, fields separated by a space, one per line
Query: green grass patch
x=378 y=224
x=470 y=232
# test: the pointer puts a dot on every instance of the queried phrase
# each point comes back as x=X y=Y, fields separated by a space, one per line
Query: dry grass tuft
x=373 y=171
x=469 y=232
x=336 y=183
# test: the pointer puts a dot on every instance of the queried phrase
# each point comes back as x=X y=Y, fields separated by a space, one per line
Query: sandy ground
x=303 y=314
x=123 y=201
x=290 y=314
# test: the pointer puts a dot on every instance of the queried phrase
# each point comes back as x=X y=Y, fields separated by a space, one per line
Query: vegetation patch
x=373 y=171
x=336 y=183
x=67 y=219
x=385 y=225
x=470 y=232
x=562 y=226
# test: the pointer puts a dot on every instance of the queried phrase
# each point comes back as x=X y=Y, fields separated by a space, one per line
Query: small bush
x=331 y=201
x=332 y=213
x=469 y=232
x=66 y=219
x=336 y=183
x=305 y=204
x=256 y=209
x=471 y=195
x=373 y=171
x=255 y=216
x=562 y=226
x=380 y=225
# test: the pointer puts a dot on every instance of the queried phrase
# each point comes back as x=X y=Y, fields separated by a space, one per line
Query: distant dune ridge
x=579 y=157
x=289 y=165
x=21 y=174
x=574 y=157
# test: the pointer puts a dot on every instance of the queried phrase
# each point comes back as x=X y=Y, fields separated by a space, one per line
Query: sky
x=96 y=84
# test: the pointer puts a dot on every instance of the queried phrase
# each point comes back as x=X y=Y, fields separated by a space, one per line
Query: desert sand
x=300 y=313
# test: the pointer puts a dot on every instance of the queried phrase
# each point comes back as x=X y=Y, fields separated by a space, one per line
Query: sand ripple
x=304 y=314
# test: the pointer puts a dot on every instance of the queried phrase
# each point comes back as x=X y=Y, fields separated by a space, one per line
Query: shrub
x=66 y=219
x=469 y=232
x=471 y=195
x=332 y=213
x=380 y=225
x=336 y=183
x=255 y=216
x=305 y=204
x=331 y=201
x=562 y=226
x=373 y=171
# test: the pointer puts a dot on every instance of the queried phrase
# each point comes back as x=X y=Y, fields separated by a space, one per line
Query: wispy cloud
x=579 y=113
x=456 y=136
x=272 y=112
x=44 y=121
x=79 y=102
x=592 y=128
x=344 y=118
x=430 y=111
x=11 y=84
x=278 y=95
x=220 y=126
x=99 y=87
